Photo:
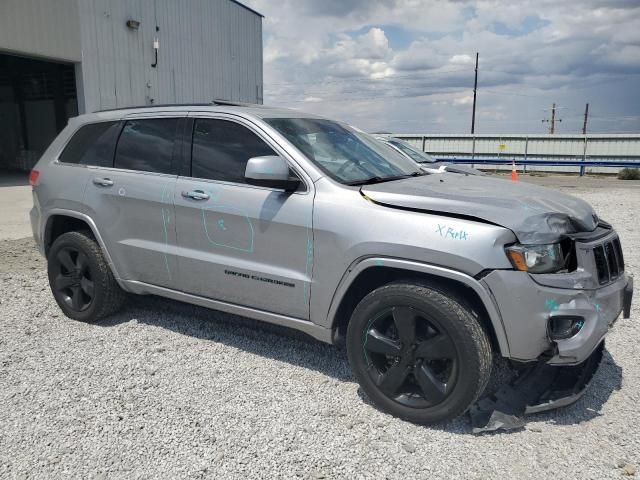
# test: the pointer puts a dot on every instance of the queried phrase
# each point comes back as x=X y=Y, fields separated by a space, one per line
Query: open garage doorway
x=37 y=98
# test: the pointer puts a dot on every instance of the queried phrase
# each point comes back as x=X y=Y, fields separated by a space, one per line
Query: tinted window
x=147 y=145
x=221 y=150
x=92 y=145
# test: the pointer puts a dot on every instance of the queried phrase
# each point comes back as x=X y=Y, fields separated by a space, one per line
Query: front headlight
x=536 y=258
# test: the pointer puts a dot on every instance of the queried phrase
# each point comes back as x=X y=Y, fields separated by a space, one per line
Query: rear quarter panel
x=60 y=186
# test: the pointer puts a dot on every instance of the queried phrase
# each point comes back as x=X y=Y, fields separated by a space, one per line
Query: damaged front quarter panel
x=527 y=308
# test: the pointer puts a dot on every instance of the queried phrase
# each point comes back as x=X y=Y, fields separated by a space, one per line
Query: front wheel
x=417 y=353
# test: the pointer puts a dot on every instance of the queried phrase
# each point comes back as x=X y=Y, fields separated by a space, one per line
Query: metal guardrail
x=552 y=163
x=596 y=151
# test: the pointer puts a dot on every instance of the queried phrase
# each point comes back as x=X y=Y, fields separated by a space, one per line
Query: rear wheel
x=417 y=353
x=80 y=278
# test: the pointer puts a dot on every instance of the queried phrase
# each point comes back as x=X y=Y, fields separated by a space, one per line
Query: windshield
x=416 y=155
x=345 y=154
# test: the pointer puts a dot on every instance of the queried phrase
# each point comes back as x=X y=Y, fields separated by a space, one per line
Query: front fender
x=483 y=293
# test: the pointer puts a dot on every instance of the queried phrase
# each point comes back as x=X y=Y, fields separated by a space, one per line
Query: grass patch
x=629 y=174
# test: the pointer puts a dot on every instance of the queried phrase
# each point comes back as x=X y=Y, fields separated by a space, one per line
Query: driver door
x=238 y=243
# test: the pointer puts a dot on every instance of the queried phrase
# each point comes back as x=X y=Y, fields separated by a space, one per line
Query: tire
x=432 y=377
x=80 y=278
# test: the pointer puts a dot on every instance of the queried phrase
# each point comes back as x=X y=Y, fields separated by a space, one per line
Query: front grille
x=609 y=261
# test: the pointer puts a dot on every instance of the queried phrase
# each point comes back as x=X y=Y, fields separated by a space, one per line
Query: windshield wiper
x=372 y=180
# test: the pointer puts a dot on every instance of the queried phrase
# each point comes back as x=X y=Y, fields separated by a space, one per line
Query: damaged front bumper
x=555 y=326
x=536 y=388
x=528 y=309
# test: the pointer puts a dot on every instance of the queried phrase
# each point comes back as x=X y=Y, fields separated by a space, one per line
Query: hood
x=534 y=214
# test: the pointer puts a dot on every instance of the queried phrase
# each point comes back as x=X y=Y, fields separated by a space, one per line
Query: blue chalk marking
x=552 y=305
x=249 y=247
x=379 y=263
x=214 y=196
x=166 y=218
x=531 y=207
x=452 y=233
x=308 y=261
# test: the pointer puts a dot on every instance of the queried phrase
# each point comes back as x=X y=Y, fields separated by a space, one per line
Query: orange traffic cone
x=514 y=172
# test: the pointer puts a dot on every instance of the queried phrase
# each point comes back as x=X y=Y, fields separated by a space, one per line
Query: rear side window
x=221 y=150
x=92 y=144
x=147 y=145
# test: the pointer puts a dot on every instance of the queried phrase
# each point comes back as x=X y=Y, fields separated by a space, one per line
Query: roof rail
x=217 y=101
x=160 y=105
x=231 y=103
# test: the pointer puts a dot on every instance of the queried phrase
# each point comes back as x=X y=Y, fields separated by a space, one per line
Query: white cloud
x=466 y=100
x=463 y=59
x=408 y=64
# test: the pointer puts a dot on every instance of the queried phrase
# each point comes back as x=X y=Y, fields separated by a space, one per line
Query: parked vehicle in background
x=426 y=161
x=308 y=223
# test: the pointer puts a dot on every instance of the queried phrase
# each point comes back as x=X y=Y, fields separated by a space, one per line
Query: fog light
x=563 y=327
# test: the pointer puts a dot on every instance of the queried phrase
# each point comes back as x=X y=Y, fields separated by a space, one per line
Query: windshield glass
x=345 y=154
x=416 y=155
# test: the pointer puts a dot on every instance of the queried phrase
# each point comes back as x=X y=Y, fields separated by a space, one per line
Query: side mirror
x=270 y=171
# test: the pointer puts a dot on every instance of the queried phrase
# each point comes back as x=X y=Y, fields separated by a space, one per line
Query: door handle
x=196 y=195
x=103 y=182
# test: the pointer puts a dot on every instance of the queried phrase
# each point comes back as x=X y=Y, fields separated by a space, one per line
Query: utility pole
x=586 y=116
x=552 y=122
x=475 y=90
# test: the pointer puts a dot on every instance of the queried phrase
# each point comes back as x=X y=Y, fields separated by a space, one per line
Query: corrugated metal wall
x=42 y=28
x=596 y=147
x=208 y=49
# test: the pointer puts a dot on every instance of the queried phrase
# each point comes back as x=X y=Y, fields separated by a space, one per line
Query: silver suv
x=305 y=222
x=427 y=162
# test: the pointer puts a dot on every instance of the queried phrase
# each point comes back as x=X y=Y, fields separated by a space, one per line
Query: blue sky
x=408 y=65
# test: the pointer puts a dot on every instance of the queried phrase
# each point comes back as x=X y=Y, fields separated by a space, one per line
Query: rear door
x=239 y=243
x=131 y=200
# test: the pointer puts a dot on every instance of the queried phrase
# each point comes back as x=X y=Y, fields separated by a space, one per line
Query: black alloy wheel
x=419 y=353
x=409 y=358
x=80 y=278
x=73 y=281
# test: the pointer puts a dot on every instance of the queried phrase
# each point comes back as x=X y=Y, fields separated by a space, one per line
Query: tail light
x=33 y=177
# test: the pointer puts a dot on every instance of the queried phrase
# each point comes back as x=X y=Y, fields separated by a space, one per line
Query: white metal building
x=64 y=57
x=601 y=149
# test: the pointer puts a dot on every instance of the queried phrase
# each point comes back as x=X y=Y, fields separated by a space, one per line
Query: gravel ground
x=169 y=390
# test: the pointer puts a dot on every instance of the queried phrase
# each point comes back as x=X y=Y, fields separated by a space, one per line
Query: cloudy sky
x=408 y=65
